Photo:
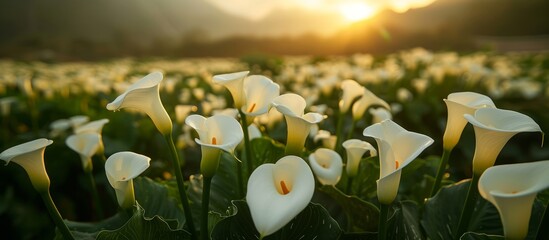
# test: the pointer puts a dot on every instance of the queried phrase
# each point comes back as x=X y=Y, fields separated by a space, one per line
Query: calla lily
x=493 y=128
x=298 y=123
x=327 y=139
x=397 y=147
x=78 y=120
x=351 y=91
x=512 y=189
x=30 y=156
x=94 y=127
x=216 y=133
x=368 y=99
x=259 y=91
x=144 y=96
x=86 y=145
x=355 y=149
x=121 y=168
x=327 y=165
x=279 y=192
x=458 y=104
x=235 y=83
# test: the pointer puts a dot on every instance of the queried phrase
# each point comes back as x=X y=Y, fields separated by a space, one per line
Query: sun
x=356 y=11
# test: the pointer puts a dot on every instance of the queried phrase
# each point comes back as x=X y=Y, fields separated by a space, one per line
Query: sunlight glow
x=356 y=11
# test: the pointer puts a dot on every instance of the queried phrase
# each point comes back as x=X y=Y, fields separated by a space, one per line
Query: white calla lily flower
x=78 y=120
x=30 y=156
x=355 y=148
x=493 y=128
x=367 y=100
x=86 y=145
x=380 y=114
x=216 y=133
x=259 y=91
x=144 y=96
x=121 y=168
x=458 y=104
x=279 y=192
x=512 y=189
x=397 y=147
x=298 y=124
x=351 y=91
x=234 y=82
x=97 y=127
x=327 y=166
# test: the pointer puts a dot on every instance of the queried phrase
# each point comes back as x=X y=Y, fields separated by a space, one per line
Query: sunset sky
x=349 y=10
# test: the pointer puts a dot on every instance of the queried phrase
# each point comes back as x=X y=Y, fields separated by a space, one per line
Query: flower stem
x=205 y=207
x=95 y=195
x=240 y=179
x=383 y=212
x=441 y=170
x=351 y=129
x=247 y=146
x=543 y=232
x=339 y=133
x=468 y=207
x=348 y=189
x=55 y=215
x=181 y=185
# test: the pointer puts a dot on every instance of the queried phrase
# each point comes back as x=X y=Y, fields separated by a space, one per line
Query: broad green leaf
x=416 y=181
x=141 y=227
x=156 y=200
x=480 y=236
x=313 y=222
x=404 y=222
x=266 y=150
x=442 y=212
x=363 y=215
x=364 y=184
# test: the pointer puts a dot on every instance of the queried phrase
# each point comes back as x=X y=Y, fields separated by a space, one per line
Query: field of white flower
x=401 y=146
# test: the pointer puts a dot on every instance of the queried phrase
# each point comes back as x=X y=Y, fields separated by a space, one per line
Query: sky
x=350 y=10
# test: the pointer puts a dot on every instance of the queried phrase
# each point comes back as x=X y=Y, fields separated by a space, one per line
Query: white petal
x=93 y=126
x=269 y=207
x=327 y=166
x=123 y=166
x=234 y=82
x=260 y=92
x=351 y=91
x=290 y=104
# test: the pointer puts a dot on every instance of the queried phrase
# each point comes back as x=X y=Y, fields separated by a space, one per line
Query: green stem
x=247 y=146
x=383 y=212
x=55 y=215
x=181 y=185
x=205 y=207
x=348 y=189
x=240 y=180
x=352 y=129
x=441 y=171
x=468 y=208
x=339 y=129
x=95 y=195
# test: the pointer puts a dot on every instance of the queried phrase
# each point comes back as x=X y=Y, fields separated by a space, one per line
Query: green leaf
x=404 y=222
x=479 y=236
x=313 y=222
x=363 y=215
x=154 y=197
x=141 y=227
x=266 y=150
x=442 y=212
x=364 y=183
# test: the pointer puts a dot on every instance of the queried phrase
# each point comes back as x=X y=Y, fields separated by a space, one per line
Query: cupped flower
x=279 y=192
x=355 y=148
x=234 y=82
x=121 y=168
x=86 y=145
x=351 y=91
x=367 y=100
x=327 y=166
x=512 y=189
x=458 y=104
x=259 y=91
x=94 y=127
x=298 y=124
x=397 y=147
x=144 y=96
x=30 y=156
x=493 y=128
x=216 y=133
